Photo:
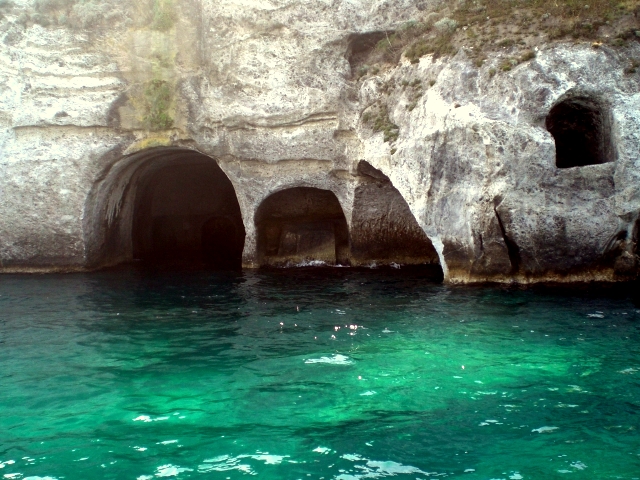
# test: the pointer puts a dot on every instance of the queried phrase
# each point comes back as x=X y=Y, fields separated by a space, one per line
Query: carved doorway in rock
x=302 y=226
x=581 y=128
x=187 y=213
x=383 y=229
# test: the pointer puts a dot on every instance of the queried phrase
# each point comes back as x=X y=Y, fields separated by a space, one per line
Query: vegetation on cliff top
x=515 y=25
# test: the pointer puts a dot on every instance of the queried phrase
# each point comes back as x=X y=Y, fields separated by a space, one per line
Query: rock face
x=126 y=128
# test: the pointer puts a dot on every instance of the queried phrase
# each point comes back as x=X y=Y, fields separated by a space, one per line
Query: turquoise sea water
x=335 y=374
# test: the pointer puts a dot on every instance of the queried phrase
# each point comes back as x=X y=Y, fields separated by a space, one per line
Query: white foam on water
x=167 y=442
x=577 y=389
x=595 y=315
x=323 y=450
x=147 y=419
x=544 y=429
x=377 y=469
x=39 y=478
x=516 y=476
x=386 y=330
x=7 y=462
x=12 y=476
x=470 y=470
x=226 y=463
x=489 y=422
x=335 y=360
x=266 y=458
x=578 y=465
x=308 y=263
x=140 y=449
x=367 y=394
x=352 y=458
x=221 y=458
x=170 y=470
x=145 y=477
x=628 y=371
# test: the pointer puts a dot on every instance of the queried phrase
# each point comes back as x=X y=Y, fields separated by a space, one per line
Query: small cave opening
x=383 y=228
x=360 y=46
x=302 y=226
x=186 y=213
x=581 y=129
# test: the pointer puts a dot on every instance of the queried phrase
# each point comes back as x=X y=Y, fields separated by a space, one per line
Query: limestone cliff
x=437 y=157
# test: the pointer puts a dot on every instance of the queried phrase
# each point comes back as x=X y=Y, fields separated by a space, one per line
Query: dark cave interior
x=302 y=225
x=581 y=129
x=187 y=213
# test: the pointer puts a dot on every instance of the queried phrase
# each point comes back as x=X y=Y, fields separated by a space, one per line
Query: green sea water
x=332 y=374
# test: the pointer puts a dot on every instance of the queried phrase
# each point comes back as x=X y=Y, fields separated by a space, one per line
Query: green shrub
x=158 y=95
x=506 y=65
x=439 y=45
x=378 y=120
x=527 y=55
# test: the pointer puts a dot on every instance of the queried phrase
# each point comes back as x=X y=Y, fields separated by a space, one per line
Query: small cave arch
x=360 y=46
x=167 y=207
x=383 y=229
x=301 y=226
x=581 y=128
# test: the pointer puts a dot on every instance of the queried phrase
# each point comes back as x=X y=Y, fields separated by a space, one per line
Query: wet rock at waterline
x=171 y=135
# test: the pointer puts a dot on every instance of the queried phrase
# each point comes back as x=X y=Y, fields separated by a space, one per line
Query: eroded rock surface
x=93 y=101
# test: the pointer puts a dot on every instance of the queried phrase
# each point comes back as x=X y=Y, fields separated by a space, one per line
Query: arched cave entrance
x=383 y=229
x=302 y=226
x=168 y=206
x=581 y=129
x=187 y=213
